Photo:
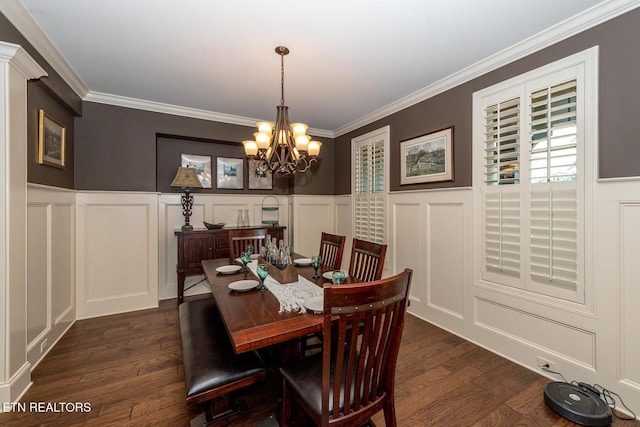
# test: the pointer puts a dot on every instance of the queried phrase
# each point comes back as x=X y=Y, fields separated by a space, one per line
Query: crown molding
x=16 y=13
x=589 y=18
x=18 y=57
x=176 y=110
x=159 y=107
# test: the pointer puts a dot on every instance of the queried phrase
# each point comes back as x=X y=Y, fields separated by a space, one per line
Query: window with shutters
x=370 y=177
x=534 y=152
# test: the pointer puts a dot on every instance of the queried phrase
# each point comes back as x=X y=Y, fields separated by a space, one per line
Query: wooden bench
x=212 y=370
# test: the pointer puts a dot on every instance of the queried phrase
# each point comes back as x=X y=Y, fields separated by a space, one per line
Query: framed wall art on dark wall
x=51 y=141
x=427 y=158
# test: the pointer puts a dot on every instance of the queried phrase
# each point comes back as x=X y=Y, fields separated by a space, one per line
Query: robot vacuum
x=579 y=403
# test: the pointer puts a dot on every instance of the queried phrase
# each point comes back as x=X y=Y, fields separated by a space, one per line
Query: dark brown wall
x=619 y=104
x=169 y=157
x=316 y=180
x=52 y=94
x=38 y=97
x=117 y=148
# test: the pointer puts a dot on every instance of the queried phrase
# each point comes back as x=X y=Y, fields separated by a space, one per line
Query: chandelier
x=282 y=148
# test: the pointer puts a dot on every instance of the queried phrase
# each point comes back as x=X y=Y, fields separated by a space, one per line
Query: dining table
x=254 y=319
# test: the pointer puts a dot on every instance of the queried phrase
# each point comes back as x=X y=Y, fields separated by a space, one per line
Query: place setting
x=244 y=285
x=228 y=269
x=336 y=276
x=302 y=262
x=315 y=305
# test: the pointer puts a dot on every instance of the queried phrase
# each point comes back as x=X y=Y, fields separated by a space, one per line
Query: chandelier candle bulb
x=262 y=140
x=302 y=142
x=250 y=148
x=265 y=127
x=314 y=148
x=299 y=129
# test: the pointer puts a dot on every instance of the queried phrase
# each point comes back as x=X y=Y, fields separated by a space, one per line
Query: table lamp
x=186 y=178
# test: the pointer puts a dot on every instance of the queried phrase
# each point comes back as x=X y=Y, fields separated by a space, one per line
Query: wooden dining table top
x=252 y=318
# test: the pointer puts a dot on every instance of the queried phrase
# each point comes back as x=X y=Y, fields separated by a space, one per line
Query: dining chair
x=331 y=250
x=240 y=238
x=353 y=377
x=367 y=260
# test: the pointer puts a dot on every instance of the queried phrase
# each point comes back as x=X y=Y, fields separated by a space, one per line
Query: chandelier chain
x=281 y=79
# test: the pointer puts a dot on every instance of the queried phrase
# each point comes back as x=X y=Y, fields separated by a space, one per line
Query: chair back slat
x=240 y=238
x=331 y=250
x=362 y=328
x=367 y=260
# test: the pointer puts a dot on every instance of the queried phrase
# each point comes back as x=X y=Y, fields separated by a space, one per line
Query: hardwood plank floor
x=128 y=368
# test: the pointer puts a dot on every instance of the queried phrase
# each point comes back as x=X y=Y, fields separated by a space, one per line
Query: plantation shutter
x=553 y=224
x=554 y=214
x=553 y=148
x=502 y=231
x=502 y=143
x=534 y=143
x=369 y=191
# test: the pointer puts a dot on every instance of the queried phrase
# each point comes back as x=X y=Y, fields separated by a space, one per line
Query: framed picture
x=51 y=141
x=259 y=180
x=230 y=173
x=427 y=158
x=202 y=165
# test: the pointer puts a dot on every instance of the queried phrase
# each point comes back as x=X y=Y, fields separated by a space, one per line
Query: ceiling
x=348 y=58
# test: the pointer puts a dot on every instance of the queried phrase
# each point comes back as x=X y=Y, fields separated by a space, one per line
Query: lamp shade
x=186 y=178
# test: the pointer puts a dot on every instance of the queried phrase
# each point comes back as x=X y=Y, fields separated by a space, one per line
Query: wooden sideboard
x=196 y=245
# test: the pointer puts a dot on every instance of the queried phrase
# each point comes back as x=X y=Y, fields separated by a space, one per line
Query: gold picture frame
x=51 y=141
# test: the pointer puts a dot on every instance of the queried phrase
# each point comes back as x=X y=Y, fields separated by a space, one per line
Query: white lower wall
x=432 y=232
x=117 y=252
x=50 y=267
x=311 y=216
x=126 y=257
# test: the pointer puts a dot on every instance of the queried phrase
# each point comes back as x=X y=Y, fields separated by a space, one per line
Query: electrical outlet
x=545 y=363
x=43 y=345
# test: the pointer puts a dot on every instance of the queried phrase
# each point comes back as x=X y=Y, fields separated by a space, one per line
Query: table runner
x=291 y=296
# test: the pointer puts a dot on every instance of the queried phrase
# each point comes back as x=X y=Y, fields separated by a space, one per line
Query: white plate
x=254 y=256
x=329 y=275
x=315 y=305
x=243 y=285
x=302 y=261
x=228 y=269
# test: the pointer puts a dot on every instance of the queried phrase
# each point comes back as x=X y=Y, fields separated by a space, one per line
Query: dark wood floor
x=128 y=367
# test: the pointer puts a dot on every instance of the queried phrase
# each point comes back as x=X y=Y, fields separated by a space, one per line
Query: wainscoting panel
x=213 y=208
x=428 y=231
x=50 y=267
x=343 y=221
x=38 y=270
x=117 y=252
x=446 y=260
x=575 y=344
x=311 y=216
x=63 y=259
x=408 y=240
x=630 y=295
